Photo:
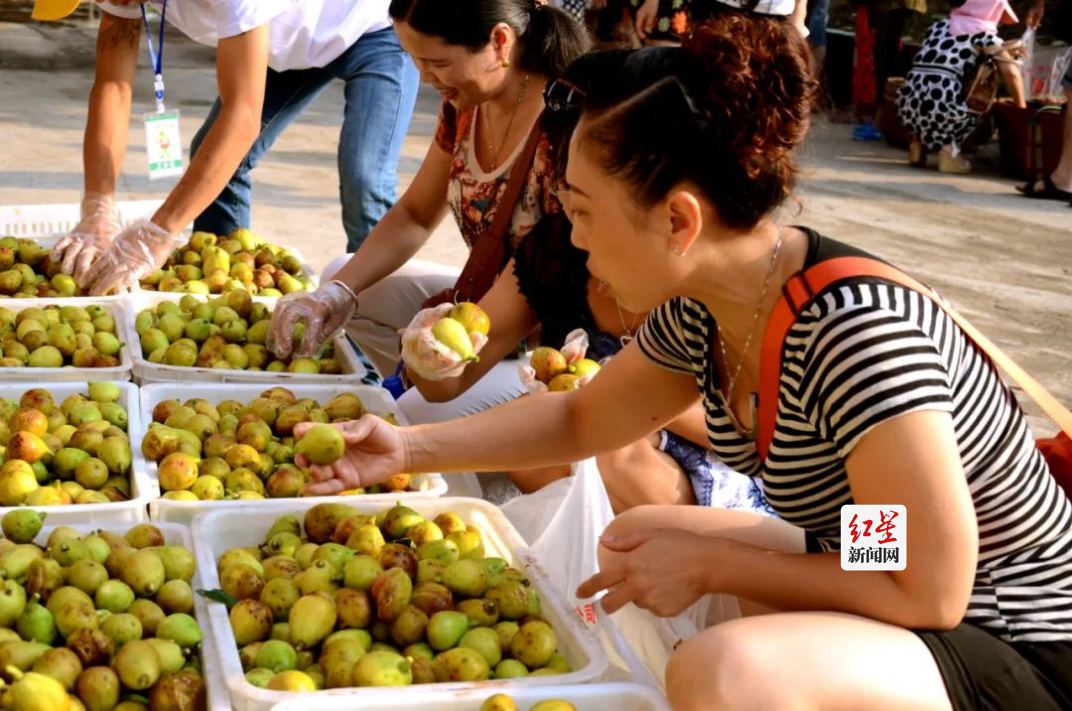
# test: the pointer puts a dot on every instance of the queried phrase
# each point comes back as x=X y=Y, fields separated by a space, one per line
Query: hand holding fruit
x=324 y=312
x=91 y=236
x=139 y=250
x=550 y=370
x=374 y=452
x=439 y=342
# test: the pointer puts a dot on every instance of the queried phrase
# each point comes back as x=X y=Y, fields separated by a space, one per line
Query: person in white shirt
x=272 y=57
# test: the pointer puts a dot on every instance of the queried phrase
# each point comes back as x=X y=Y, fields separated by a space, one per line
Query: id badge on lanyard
x=163 y=142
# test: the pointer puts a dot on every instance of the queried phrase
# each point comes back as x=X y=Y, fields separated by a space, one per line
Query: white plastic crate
x=33 y=221
x=45 y=224
x=376 y=400
x=586 y=697
x=49 y=243
x=124 y=513
x=121 y=372
x=215 y=533
x=175 y=535
x=146 y=373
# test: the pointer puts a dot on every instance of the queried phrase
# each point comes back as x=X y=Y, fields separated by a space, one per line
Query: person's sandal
x=1049 y=191
x=955 y=166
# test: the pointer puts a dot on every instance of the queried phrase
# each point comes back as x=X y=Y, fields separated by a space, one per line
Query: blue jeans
x=381 y=88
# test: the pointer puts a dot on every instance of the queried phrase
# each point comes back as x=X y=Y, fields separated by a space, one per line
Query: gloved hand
x=323 y=311
x=425 y=355
x=140 y=249
x=574 y=349
x=91 y=236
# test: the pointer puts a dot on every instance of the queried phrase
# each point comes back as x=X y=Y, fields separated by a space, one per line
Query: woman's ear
x=685 y=219
x=502 y=41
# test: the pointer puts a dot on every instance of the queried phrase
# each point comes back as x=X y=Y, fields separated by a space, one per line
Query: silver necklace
x=752 y=332
x=630 y=332
x=487 y=124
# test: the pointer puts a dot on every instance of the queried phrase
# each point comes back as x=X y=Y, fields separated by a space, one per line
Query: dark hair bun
x=723 y=112
x=758 y=88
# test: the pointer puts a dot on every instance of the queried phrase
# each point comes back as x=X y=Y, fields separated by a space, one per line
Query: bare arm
x=799 y=15
x=1014 y=81
x=692 y=425
x=511 y=320
x=108 y=122
x=406 y=226
x=241 y=71
x=630 y=398
x=911 y=460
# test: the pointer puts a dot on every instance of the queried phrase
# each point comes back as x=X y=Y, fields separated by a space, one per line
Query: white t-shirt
x=303 y=33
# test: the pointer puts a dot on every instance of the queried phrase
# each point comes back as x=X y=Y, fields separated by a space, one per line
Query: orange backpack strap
x=802 y=287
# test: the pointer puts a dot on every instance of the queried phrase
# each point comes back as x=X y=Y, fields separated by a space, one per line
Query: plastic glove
x=138 y=250
x=323 y=311
x=91 y=236
x=574 y=349
x=425 y=355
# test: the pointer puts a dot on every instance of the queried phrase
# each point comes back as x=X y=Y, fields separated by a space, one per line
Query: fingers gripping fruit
x=439 y=342
x=551 y=370
x=250 y=450
x=322 y=444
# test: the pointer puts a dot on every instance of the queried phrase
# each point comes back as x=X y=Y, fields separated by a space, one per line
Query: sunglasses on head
x=563 y=95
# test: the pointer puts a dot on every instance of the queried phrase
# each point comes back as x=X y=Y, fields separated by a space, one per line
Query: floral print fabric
x=473 y=194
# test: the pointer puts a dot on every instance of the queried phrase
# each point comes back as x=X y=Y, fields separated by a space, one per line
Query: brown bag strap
x=489 y=252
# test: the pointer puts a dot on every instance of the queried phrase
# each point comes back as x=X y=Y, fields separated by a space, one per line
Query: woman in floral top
x=490 y=60
x=473 y=193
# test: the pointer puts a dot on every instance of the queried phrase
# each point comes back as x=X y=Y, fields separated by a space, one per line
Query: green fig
x=22 y=525
x=338 y=660
x=445 y=629
x=12 y=603
x=461 y=664
x=181 y=629
x=465 y=577
x=60 y=664
x=122 y=628
x=484 y=641
x=321 y=445
x=98 y=688
x=533 y=644
x=35 y=624
x=510 y=669
x=277 y=656
x=382 y=669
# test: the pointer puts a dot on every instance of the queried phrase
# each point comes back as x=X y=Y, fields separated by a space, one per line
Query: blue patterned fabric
x=713 y=483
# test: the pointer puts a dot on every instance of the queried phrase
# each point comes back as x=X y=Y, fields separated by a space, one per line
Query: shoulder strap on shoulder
x=802 y=287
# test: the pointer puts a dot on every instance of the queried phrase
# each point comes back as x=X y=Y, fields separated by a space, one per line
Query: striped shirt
x=866 y=351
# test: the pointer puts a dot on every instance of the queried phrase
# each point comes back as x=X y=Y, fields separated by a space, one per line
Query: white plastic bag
x=1043 y=67
x=576 y=511
x=425 y=355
